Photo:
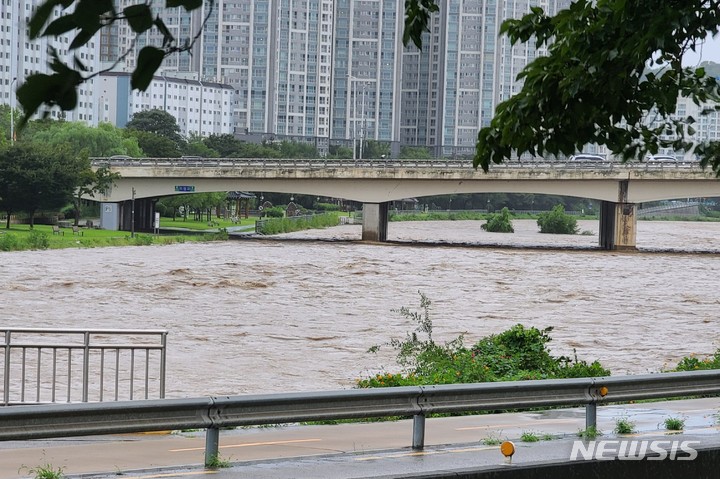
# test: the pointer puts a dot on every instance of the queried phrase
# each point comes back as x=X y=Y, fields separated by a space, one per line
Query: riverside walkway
x=356 y=450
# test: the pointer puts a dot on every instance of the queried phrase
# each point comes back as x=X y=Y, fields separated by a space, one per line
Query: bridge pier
x=375 y=221
x=618 y=222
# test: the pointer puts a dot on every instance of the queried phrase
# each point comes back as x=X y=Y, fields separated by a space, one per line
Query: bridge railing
x=377 y=163
x=213 y=413
x=69 y=365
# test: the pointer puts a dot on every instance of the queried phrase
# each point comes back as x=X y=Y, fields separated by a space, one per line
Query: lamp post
x=362 y=122
x=132 y=214
x=12 y=111
x=354 y=93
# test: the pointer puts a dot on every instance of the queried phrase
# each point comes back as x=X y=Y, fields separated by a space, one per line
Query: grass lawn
x=18 y=237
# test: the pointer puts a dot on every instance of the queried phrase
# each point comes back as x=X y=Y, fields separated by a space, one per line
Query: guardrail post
x=591 y=415
x=212 y=444
x=86 y=367
x=6 y=373
x=418 y=440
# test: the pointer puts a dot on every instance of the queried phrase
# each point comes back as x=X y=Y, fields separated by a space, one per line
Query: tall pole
x=354 y=91
x=132 y=214
x=12 y=111
x=362 y=123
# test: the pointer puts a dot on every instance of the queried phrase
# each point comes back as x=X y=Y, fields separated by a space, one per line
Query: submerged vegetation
x=273 y=226
x=499 y=222
x=516 y=354
x=557 y=221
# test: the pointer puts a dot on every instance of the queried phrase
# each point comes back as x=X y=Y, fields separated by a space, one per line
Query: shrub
x=557 y=221
x=516 y=354
x=10 y=242
x=38 y=240
x=288 y=225
x=499 y=222
x=142 y=240
x=327 y=207
x=274 y=212
x=692 y=363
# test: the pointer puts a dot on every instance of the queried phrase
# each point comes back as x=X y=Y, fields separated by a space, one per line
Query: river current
x=298 y=312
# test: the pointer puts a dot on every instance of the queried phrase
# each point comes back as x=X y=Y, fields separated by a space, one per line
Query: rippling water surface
x=294 y=314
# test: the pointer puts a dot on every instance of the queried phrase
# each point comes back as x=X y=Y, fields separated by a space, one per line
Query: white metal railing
x=70 y=365
x=380 y=163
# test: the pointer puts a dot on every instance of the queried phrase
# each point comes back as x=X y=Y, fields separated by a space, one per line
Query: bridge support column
x=144 y=214
x=375 y=221
x=618 y=222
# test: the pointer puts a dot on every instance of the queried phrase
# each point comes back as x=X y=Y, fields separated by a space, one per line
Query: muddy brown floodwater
x=293 y=314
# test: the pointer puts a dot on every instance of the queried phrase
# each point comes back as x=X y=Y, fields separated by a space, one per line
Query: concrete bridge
x=375 y=183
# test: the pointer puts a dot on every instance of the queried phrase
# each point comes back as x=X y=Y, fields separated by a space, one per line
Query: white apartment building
x=200 y=108
x=21 y=57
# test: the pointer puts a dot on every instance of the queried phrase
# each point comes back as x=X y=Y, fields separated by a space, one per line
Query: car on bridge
x=587 y=160
x=661 y=159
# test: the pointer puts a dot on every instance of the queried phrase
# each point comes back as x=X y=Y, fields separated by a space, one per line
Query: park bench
x=56 y=230
x=76 y=231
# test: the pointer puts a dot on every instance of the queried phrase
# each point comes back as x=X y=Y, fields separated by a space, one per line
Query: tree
x=226 y=145
x=196 y=147
x=91 y=182
x=415 y=152
x=158 y=122
x=612 y=67
x=104 y=140
x=339 y=152
x=34 y=178
x=154 y=145
x=557 y=221
x=499 y=222
x=376 y=149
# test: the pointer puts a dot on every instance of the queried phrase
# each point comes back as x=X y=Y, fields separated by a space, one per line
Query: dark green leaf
x=61 y=25
x=188 y=4
x=83 y=37
x=40 y=17
x=149 y=60
x=168 y=38
x=36 y=90
x=139 y=17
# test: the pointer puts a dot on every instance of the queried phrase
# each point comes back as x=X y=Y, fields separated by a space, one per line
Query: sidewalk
x=120 y=454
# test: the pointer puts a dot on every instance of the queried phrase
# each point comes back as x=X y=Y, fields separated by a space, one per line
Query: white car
x=661 y=159
x=587 y=158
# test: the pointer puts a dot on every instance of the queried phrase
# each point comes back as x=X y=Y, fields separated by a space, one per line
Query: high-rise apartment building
x=451 y=88
x=21 y=57
x=367 y=56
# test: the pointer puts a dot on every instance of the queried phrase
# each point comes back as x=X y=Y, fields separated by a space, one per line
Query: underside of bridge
x=618 y=224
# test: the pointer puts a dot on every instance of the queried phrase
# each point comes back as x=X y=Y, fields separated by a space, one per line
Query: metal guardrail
x=381 y=163
x=51 y=365
x=213 y=413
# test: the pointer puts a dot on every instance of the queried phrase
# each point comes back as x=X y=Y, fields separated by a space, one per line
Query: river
x=299 y=312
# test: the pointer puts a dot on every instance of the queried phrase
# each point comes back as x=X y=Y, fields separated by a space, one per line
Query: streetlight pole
x=352 y=83
x=132 y=214
x=362 y=122
x=12 y=111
